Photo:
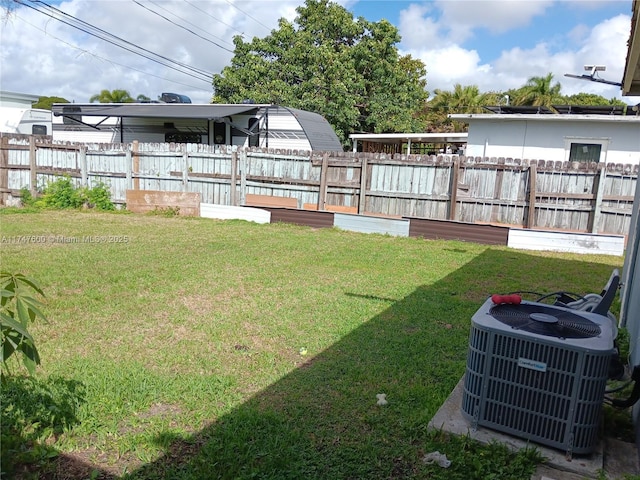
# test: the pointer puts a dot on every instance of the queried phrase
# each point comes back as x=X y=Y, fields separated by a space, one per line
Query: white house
x=242 y=125
x=600 y=134
x=17 y=115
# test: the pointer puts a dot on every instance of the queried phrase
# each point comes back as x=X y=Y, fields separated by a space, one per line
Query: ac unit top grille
x=545 y=320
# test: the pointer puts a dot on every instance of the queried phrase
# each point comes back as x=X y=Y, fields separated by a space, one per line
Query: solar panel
x=523 y=109
x=591 y=109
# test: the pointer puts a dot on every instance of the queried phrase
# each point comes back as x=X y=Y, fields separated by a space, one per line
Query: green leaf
x=9 y=323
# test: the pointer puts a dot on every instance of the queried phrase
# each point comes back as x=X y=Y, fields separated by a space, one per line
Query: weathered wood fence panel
x=594 y=198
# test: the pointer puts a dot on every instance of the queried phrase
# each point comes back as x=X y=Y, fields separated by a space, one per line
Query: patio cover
x=153 y=110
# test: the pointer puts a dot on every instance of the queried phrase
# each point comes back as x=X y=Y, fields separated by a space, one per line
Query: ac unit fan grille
x=545 y=320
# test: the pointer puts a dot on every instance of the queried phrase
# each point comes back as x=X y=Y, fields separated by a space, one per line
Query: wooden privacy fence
x=580 y=197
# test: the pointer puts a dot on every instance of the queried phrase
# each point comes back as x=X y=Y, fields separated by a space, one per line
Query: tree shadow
x=33 y=413
x=322 y=420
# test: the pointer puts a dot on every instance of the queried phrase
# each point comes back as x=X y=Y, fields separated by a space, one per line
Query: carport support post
x=362 y=204
x=322 y=192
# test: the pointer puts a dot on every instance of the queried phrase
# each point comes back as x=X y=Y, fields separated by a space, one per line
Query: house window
x=586 y=149
x=585 y=152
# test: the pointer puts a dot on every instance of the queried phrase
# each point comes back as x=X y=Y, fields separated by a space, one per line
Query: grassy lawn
x=225 y=349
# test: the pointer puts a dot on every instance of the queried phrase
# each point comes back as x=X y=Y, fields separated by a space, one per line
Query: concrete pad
x=449 y=419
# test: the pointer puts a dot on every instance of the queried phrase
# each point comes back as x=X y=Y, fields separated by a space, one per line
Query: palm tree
x=463 y=99
x=539 y=92
x=114 y=96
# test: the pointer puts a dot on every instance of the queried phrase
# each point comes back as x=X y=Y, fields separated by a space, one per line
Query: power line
x=216 y=19
x=94 y=31
x=252 y=18
x=180 y=26
x=105 y=59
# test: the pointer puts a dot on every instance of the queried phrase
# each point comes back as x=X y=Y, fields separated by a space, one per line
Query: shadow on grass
x=322 y=420
x=33 y=413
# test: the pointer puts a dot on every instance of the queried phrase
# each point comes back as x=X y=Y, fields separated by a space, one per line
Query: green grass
x=177 y=353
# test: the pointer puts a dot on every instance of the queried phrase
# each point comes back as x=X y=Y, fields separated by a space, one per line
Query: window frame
x=602 y=141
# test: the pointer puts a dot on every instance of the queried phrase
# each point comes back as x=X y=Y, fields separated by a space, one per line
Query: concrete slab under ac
x=616 y=459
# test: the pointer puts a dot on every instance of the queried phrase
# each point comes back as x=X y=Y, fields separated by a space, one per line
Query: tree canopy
x=539 y=92
x=46 y=102
x=348 y=70
x=112 y=96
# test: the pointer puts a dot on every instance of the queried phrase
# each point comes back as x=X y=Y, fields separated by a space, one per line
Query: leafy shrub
x=26 y=199
x=62 y=193
x=99 y=197
x=17 y=308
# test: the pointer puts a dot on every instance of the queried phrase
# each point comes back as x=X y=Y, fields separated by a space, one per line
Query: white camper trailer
x=29 y=121
x=17 y=116
x=241 y=125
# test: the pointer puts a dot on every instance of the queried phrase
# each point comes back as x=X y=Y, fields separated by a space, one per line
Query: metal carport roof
x=153 y=110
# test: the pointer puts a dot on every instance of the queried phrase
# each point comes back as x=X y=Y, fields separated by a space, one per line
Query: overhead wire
x=245 y=13
x=102 y=58
x=214 y=18
x=180 y=26
x=97 y=32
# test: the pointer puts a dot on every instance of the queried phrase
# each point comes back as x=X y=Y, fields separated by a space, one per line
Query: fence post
x=135 y=168
x=33 y=173
x=322 y=192
x=185 y=172
x=4 y=170
x=453 y=196
x=243 y=177
x=233 y=200
x=84 y=174
x=531 y=214
x=128 y=167
x=598 y=183
x=363 y=185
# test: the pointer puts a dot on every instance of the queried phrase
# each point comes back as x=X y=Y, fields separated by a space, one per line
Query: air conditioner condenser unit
x=538 y=372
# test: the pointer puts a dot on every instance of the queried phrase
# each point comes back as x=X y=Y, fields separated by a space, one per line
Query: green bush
x=99 y=197
x=62 y=194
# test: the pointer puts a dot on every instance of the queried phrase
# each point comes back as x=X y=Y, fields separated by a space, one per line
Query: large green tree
x=347 y=69
x=113 y=96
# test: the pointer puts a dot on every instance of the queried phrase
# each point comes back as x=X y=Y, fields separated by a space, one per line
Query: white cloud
x=496 y=16
x=430 y=37
x=44 y=57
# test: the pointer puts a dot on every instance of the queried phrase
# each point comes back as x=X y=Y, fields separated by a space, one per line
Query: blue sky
x=495 y=44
